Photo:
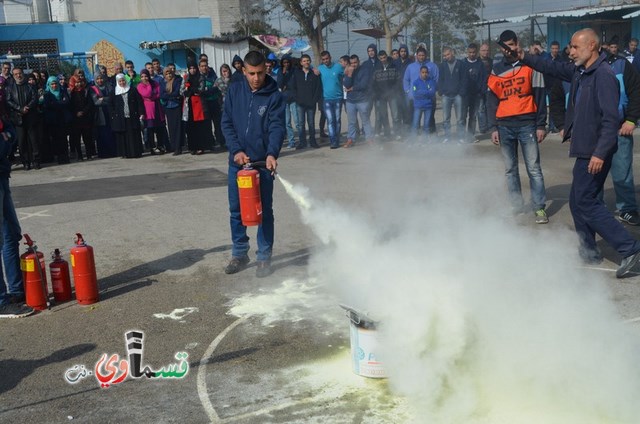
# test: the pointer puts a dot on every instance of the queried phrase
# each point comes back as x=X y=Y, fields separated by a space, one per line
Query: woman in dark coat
x=82 y=124
x=57 y=116
x=171 y=101
x=127 y=111
x=195 y=112
x=100 y=95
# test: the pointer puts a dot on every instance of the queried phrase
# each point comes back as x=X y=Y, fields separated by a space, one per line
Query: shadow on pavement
x=299 y=257
x=138 y=276
x=13 y=371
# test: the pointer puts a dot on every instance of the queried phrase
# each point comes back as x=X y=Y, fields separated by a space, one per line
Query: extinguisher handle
x=27 y=240
x=79 y=239
x=258 y=164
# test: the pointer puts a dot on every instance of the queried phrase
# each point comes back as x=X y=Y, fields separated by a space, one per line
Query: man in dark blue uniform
x=591 y=123
x=253 y=124
x=11 y=301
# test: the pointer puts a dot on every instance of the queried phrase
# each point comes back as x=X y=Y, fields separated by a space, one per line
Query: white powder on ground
x=482 y=321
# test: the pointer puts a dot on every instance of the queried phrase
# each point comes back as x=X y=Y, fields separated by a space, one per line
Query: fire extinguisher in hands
x=241 y=159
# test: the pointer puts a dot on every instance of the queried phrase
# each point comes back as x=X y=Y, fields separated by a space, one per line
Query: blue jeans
x=447 y=102
x=426 y=115
x=10 y=239
x=308 y=113
x=333 y=112
x=397 y=113
x=291 y=115
x=364 y=109
x=483 y=123
x=382 y=116
x=622 y=175
x=265 y=230
x=590 y=215
x=470 y=106
x=526 y=137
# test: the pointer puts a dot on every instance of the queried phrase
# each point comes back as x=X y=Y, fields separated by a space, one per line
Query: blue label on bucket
x=364 y=344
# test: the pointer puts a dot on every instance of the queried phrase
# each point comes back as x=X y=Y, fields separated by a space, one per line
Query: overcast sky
x=342 y=41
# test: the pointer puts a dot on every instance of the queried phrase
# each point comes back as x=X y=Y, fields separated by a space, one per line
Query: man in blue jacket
x=412 y=73
x=357 y=84
x=591 y=123
x=11 y=302
x=451 y=85
x=253 y=124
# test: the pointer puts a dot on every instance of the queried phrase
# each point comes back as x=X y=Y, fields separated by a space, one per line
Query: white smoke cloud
x=482 y=320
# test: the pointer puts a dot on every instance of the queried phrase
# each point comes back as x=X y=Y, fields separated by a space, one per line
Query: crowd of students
x=401 y=88
x=125 y=114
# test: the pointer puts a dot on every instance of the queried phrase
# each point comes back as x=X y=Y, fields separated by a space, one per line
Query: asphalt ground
x=159 y=227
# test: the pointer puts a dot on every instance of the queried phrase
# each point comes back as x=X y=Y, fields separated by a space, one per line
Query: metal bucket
x=364 y=344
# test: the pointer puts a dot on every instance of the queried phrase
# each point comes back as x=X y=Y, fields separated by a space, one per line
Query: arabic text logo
x=111 y=370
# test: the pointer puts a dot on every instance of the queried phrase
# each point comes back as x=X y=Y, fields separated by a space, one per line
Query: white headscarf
x=119 y=89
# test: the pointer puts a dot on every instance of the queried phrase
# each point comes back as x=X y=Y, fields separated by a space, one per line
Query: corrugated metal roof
x=513 y=19
x=573 y=13
x=632 y=15
x=577 y=13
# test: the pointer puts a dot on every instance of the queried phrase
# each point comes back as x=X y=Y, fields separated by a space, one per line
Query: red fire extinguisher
x=34 y=276
x=84 y=272
x=249 y=193
x=60 y=281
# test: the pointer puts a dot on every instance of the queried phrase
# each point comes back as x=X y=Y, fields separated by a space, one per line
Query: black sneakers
x=236 y=265
x=263 y=269
x=15 y=310
x=630 y=218
x=627 y=263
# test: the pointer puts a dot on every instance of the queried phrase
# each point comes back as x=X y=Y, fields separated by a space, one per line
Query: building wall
x=142 y=9
x=223 y=13
x=561 y=29
x=115 y=40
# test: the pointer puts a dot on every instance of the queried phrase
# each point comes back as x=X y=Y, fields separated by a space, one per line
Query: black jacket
x=284 y=80
x=81 y=102
x=476 y=77
x=306 y=90
x=136 y=109
x=452 y=83
x=57 y=113
x=19 y=96
x=6 y=147
x=385 y=80
x=237 y=76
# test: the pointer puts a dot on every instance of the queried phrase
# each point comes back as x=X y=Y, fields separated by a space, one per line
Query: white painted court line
x=201 y=381
x=146 y=198
x=27 y=215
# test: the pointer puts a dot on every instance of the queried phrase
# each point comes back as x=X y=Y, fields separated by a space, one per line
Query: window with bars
x=25 y=47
